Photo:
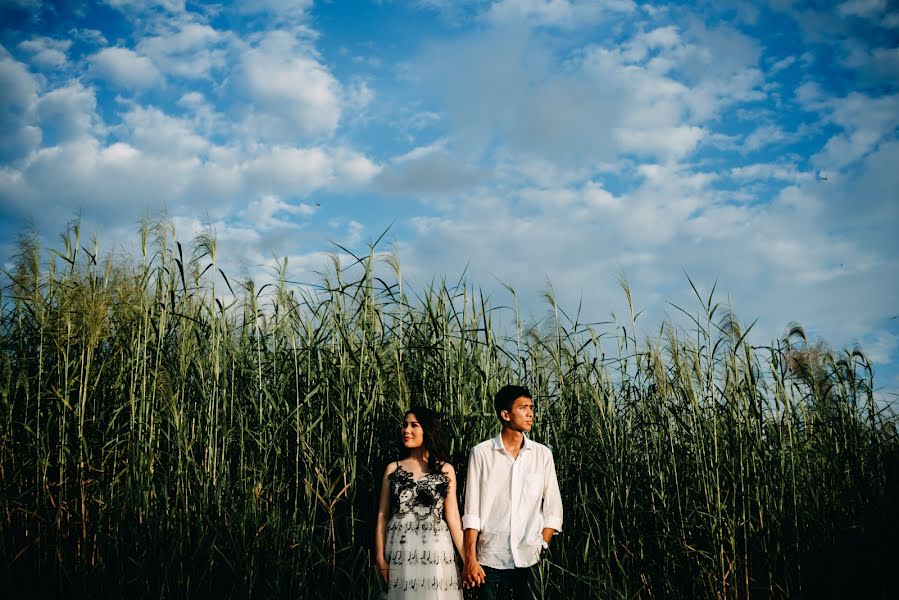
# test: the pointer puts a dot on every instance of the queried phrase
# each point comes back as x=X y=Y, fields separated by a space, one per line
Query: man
x=512 y=503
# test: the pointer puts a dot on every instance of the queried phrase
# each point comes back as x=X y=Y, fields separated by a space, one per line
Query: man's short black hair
x=507 y=395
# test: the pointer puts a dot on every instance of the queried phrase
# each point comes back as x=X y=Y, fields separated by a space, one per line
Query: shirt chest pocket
x=533 y=484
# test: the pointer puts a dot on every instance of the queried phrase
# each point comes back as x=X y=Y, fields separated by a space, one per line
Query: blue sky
x=526 y=140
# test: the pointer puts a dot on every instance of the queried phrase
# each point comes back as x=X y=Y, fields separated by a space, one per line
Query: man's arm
x=472 y=574
x=552 y=501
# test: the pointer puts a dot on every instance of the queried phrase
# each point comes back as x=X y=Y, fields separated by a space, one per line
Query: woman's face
x=413 y=434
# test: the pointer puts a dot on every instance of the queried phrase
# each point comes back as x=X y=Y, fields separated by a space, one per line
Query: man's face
x=521 y=416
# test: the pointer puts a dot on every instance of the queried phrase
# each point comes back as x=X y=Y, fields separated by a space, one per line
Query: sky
x=528 y=143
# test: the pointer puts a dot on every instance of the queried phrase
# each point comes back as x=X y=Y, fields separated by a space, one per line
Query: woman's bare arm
x=381 y=527
x=451 y=510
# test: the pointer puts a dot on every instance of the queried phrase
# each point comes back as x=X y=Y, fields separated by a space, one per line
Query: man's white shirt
x=510 y=500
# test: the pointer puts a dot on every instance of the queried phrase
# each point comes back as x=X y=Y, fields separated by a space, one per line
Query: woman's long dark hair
x=432 y=427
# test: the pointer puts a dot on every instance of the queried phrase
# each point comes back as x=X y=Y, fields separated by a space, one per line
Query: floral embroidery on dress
x=423 y=497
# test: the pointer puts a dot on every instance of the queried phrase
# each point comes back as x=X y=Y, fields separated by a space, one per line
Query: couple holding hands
x=512 y=509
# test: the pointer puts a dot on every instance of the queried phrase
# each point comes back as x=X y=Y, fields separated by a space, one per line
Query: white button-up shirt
x=510 y=500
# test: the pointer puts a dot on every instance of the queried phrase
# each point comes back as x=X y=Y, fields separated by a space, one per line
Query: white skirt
x=422 y=559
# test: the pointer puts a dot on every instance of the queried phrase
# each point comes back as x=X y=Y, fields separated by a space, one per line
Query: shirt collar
x=498 y=442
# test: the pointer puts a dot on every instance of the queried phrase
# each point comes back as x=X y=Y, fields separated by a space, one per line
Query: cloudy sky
x=569 y=141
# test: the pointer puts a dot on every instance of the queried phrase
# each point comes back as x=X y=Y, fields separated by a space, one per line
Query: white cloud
x=493 y=237
x=762 y=136
x=763 y=171
x=358 y=96
x=352 y=169
x=873 y=64
x=46 y=52
x=192 y=99
x=670 y=142
x=92 y=37
x=296 y=171
x=782 y=64
x=18 y=99
x=563 y=13
x=861 y=8
x=293 y=170
x=269 y=211
x=882 y=347
x=354 y=234
x=428 y=171
x=146 y=6
x=550 y=174
x=886 y=60
x=861 y=202
x=163 y=166
x=294 y=9
x=206 y=119
x=865 y=121
x=193 y=50
x=68 y=113
x=810 y=96
x=650 y=95
x=159 y=159
x=290 y=92
x=576 y=227
x=156 y=133
x=124 y=67
x=110 y=184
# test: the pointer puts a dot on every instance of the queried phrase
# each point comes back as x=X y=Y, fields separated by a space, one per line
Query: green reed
x=168 y=431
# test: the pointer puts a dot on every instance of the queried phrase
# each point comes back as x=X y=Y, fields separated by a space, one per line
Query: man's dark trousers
x=502 y=584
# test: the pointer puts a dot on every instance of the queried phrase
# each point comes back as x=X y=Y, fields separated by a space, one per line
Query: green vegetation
x=168 y=431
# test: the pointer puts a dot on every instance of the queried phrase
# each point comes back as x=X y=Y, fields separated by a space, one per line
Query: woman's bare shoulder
x=391 y=467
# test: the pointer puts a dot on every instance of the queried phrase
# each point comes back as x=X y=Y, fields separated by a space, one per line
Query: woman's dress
x=419 y=548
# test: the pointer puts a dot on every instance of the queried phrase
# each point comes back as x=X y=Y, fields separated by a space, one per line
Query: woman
x=414 y=550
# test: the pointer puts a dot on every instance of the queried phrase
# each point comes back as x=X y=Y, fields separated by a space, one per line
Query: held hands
x=473 y=575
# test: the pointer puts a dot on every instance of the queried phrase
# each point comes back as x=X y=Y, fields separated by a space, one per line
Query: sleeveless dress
x=419 y=548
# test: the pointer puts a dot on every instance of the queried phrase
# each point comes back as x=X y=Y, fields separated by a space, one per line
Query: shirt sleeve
x=552 y=498
x=472 y=517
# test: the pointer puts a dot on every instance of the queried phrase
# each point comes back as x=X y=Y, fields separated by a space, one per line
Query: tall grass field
x=169 y=430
